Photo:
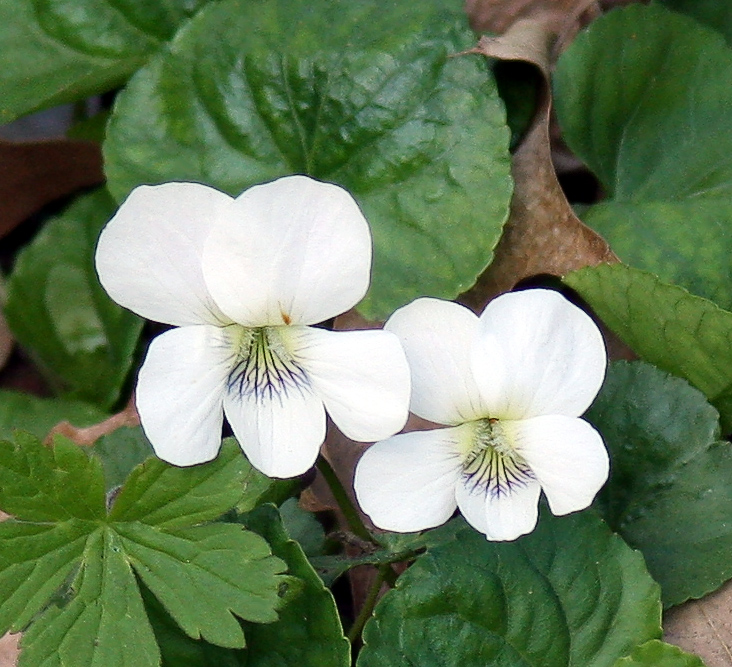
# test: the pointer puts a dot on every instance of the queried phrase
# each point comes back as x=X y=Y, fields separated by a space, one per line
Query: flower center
x=265 y=364
x=492 y=466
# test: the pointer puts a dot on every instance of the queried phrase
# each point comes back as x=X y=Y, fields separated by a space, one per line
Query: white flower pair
x=244 y=280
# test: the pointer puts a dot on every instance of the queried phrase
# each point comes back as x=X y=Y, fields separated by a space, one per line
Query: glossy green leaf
x=669 y=492
x=309 y=632
x=650 y=117
x=256 y=90
x=57 y=51
x=59 y=311
x=71 y=570
x=664 y=324
x=159 y=494
x=39 y=483
x=571 y=593
x=39 y=415
x=657 y=654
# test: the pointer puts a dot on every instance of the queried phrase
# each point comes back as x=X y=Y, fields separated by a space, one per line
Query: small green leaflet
x=69 y=568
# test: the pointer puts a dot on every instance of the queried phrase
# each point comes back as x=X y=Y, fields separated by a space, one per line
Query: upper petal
x=407 y=483
x=537 y=354
x=280 y=433
x=361 y=376
x=180 y=391
x=297 y=250
x=437 y=337
x=149 y=255
x=504 y=516
x=567 y=456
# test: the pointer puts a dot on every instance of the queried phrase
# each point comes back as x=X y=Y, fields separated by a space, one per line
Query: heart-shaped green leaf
x=650 y=117
x=253 y=91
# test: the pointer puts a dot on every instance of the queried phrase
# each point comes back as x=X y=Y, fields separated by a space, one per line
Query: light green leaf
x=309 y=632
x=39 y=483
x=664 y=324
x=57 y=51
x=658 y=654
x=103 y=625
x=650 y=117
x=571 y=593
x=57 y=308
x=35 y=561
x=20 y=411
x=204 y=575
x=669 y=493
x=160 y=494
x=253 y=91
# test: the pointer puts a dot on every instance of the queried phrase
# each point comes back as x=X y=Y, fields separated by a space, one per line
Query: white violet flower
x=243 y=280
x=511 y=386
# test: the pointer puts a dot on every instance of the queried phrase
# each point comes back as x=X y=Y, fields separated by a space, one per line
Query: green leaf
x=651 y=119
x=571 y=593
x=664 y=324
x=120 y=451
x=711 y=13
x=104 y=623
x=669 y=493
x=39 y=483
x=72 y=571
x=253 y=91
x=159 y=494
x=657 y=654
x=206 y=574
x=303 y=527
x=19 y=411
x=57 y=51
x=309 y=632
x=57 y=308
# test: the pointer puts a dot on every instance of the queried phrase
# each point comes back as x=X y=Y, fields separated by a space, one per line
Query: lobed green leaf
x=159 y=494
x=650 y=119
x=251 y=91
x=571 y=593
x=669 y=493
x=58 y=483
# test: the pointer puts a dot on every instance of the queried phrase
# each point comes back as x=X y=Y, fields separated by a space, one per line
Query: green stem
x=383 y=573
x=355 y=525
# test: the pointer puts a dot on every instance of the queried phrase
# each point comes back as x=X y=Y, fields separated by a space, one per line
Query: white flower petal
x=437 y=337
x=567 y=456
x=281 y=435
x=297 y=250
x=537 y=354
x=362 y=377
x=180 y=391
x=407 y=483
x=149 y=255
x=503 y=517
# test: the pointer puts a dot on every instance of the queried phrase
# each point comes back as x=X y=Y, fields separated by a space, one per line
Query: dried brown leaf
x=542 y=235
x=703 y=627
